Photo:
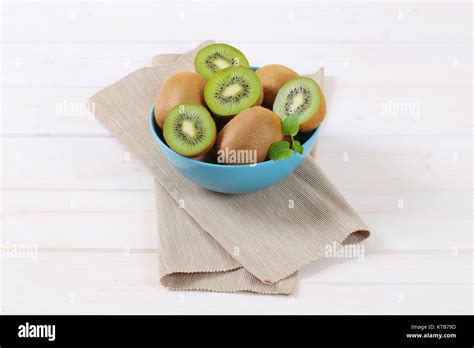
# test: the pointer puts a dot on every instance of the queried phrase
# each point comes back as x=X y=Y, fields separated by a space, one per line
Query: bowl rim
x=154 y=127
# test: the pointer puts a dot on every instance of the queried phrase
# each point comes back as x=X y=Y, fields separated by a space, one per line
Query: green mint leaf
x=297 y=147
x=280 y=151
x=290 y=125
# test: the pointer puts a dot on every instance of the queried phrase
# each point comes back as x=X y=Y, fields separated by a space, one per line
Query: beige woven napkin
x=209 y=241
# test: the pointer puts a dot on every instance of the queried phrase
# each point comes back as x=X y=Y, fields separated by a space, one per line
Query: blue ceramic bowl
x=233 y=178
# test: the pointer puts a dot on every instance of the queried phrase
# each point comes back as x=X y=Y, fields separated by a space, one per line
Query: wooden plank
x=105 y=201
x=311 y=299
x=396 y=163
x=335 y=21
x=82 y=163
x=114 y=230
x=398 y=111
x=400 y=221
x=119 y=283
x=411 y=202
x=324 y=299
x=49 y=111
x=81 y=202
x=126 y=230
x=209 y=2
x=87 y=64
x=352 y=111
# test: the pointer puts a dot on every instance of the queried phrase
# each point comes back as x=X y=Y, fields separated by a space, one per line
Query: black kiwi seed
x=300 y=90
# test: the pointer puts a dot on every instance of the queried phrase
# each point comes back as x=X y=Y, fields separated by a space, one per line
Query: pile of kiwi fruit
x=225 y=105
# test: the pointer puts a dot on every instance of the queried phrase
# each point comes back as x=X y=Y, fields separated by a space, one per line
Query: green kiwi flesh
x=300 y=95
x=215 y=57
x=232 y=90
x=189 y=130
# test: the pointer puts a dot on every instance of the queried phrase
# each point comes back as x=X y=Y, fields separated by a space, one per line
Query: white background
x=71 y=189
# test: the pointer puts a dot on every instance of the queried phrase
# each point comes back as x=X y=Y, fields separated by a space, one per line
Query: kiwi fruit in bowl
x=301 y=96
x=254 y=131
x=189 y=130
x=182 y=87
x=232 y=90
x=216 y=57
x=272 y=77
x=211 y=127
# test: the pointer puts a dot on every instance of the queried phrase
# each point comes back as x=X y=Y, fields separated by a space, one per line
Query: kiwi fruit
x=183 y=87
x=232 y=90
x=215 y=57
x=260 y=98
x=222 y=121
x=272 y=77
x=303 y=96
x=189 y=129
x=254 y=129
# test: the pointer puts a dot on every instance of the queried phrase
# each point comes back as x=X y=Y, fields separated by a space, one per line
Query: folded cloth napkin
x=217 y=242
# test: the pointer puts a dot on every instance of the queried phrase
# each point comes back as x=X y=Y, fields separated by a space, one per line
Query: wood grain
x=126 y=21
x=69 y=282
x=71 y=190
x=374 y=163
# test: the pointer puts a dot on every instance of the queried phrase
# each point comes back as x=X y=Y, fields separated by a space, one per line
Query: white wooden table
x=397 y=142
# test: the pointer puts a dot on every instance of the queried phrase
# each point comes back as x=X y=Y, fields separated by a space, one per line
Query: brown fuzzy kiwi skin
x=180 y=88
x=272 y=77
x=260 y=99
x=256 y=128
x=209 y=156
x=317 y=118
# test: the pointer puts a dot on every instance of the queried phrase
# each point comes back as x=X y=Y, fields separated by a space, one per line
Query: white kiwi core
x=221 y=63
x=297 y=101
x=188 y=128
x=232 y=90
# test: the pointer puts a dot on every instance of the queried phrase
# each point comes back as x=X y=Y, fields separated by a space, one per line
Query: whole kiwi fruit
x=272 y=77
x=253 y=130
x=180 y=88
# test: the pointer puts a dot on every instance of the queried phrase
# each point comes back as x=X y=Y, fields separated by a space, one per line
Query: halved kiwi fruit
x=189 y=130
x=215 y=57
x=303 y=96
x=232 y=90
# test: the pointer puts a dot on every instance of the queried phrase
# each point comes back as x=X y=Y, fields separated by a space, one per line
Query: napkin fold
x=252 y=242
